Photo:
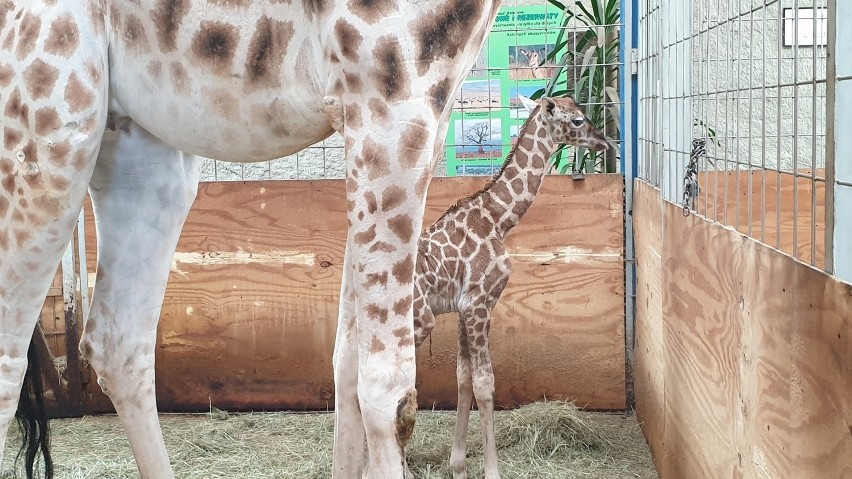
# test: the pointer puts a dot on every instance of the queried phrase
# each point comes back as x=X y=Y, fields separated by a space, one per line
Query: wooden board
x=756 y=357
x=778 y=209
x=251 y=308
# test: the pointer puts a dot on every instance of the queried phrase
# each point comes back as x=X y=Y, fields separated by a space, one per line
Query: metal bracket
x=634 y=61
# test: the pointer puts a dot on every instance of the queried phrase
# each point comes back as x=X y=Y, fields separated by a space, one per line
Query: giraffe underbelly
x=244 y=87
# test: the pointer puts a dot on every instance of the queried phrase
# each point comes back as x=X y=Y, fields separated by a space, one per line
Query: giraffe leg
x=388 y=168
x=141 y=192
x=483 y=385
x=51 y=136
x=349 y=461
x=458 y=456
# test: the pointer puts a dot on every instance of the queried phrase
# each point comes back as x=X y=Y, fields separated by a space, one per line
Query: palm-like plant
x=587 y=56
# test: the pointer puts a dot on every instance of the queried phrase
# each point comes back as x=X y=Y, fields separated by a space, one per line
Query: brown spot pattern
x=77 y=96
x=179 y=77
x=64 y=37
x=214 y=45
x=155 y=69
x=376 y=159
x=402 y=226
x=6 y=74
x=403 y=271
x=348 y=38
x=378 y=109
x=28 y=35
x=377 y=345
x=444 y=35
x=353 y=82
x=389 y=74
x=353 y=116
x=40 y=79
x=377 y=313
x=167 y=18
x=134 y=34
x=383 y=247
x=266 y=52
x=438 y=95
x=402 y=306
x=17 y=109
x=315 y=7
x=392 y=197
x=365 y=237
x=11 y=137
x=414 y=139
x=46 y=120
x=371 y=11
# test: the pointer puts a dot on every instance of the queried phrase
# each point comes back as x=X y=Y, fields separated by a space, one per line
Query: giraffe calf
x=463 y=265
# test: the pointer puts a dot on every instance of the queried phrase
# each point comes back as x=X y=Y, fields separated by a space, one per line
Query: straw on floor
x=543 y=440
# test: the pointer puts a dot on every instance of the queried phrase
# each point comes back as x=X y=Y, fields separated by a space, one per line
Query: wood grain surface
x=250 y=311
x=756 y=354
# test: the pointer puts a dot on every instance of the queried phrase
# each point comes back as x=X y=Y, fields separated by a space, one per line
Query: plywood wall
x=743 y=355
x=251 y=307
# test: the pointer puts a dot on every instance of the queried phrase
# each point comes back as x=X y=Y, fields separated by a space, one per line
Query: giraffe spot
x=64 y=37
x=48 y=204
x=47 y=120
x=541 y=132
x=533 y=181
x=338 y=87
x=365 y=237
x=81 y=160
x=502 y=191
x=11 y=137
x=517 y=185
x=17 y=109
x=4 y=206
x=390 y=75
x=59 y=183
x=222 y=103
x=353 y=82
x=40 y=78
x=77 y=96
x=58 y=154
x=315 y=7
x=167 y=18
x=382 y=247
x=480 y=341
x=402 y=306
x=392 y=197
x=214 y=45
x=351 y=185
x=376 y=279
x=155 y=69
x=28 y=35
x=438 y=95
x=378 y=110
x=371 y=11
x=5 y=7
x=403 y=271
x=457 y=236
x=94 y=72
x=180 y=78
x=372 y=206
x=4 y=240
x=376 y=159
x=414 y=139
x=134 y=34
x=6 y=74
x=266 y=52
x=9 y=41
x=440 y=36
x=22 y=237
x=377 y=313
x=377 y=346
x=402 y=227
x=353 y=116
x=348 y=38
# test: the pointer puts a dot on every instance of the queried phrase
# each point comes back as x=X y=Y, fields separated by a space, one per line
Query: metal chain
x=691 y=189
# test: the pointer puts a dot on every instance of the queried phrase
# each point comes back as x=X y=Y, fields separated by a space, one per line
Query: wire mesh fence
x=535 y=47
x=738 y=89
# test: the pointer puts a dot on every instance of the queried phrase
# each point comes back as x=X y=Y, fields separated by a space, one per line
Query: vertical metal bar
x=795 y=120
x=749 y=123
x=763 y=151
x=814 y=132
x=737 y=59
x=778 y=140
x=830 y=125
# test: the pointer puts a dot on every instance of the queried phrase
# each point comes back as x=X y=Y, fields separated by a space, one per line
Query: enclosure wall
x=743 y=359
x=250 y=312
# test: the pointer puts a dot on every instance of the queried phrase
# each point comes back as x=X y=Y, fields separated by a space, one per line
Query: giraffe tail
x=32 y=418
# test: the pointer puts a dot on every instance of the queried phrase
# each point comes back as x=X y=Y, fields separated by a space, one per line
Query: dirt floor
x=542 y=441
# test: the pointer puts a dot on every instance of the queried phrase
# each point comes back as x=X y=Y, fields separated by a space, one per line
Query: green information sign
x=487 y=113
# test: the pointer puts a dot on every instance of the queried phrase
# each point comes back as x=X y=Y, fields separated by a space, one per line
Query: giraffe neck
x=513 y=189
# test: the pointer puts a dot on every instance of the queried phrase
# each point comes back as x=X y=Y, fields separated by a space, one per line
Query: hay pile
x=543 y=440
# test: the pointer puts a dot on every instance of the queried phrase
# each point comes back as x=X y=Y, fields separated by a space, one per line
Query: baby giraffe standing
x=463 y=265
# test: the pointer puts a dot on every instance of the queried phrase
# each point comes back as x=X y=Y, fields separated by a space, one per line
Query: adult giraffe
x=235 y=80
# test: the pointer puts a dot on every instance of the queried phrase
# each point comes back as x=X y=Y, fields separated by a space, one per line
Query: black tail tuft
x=32 y=419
